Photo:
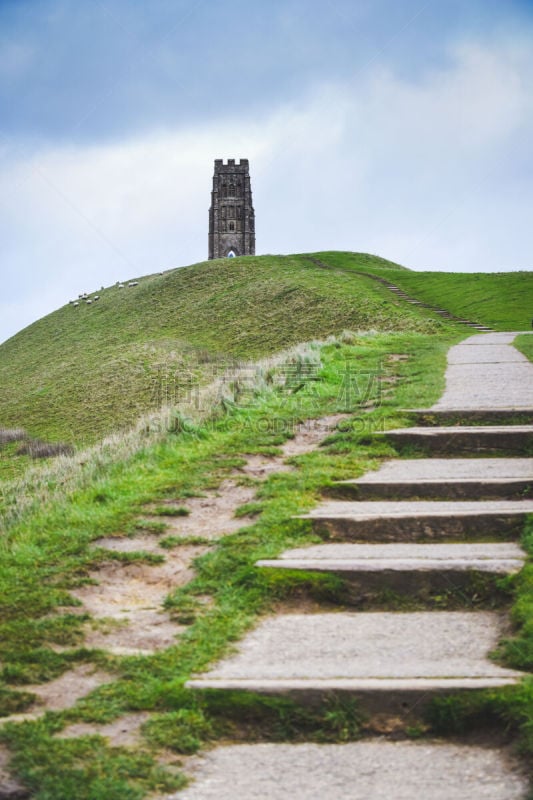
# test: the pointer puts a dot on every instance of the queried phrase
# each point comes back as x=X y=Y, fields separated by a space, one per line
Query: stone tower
x=231 y=216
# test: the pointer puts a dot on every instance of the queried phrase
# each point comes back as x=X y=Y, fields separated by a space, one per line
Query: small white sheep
x=75 y=303
x=89 y=302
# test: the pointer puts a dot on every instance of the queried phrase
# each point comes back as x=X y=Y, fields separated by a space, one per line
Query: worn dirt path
x=125 y=601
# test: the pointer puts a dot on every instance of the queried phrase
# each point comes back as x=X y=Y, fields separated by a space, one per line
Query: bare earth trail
x=394 y=663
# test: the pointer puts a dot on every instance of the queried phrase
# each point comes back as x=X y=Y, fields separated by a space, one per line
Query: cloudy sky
x=396 y=127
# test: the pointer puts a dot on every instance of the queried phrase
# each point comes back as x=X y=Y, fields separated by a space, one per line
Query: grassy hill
x=502 y=300
x=84 y=371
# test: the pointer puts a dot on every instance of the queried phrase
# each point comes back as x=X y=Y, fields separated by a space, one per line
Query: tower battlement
x=243 y=164
x=231 y=216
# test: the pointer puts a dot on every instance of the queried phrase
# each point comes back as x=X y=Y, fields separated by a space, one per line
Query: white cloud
x=413 y=170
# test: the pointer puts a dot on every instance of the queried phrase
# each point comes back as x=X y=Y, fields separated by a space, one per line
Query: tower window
x=231 y=226
x=231 y=190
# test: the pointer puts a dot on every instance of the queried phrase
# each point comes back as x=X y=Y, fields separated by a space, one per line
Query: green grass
x=46 y=553
x=524 y=343
x=81 y=373
x=171 y=511
x=502 y=300
x=12 y=464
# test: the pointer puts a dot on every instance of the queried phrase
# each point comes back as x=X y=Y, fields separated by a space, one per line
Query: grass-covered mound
x=82 y=372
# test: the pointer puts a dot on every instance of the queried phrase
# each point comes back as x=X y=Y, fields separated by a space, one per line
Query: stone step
x=364 y=770
x=413 y=569
x=506 y=488
x=442 y=478
x=485 y=416
x=393 y=663
x=454 y=440
x=486 y=371
x=441 y=311
x=382 y=521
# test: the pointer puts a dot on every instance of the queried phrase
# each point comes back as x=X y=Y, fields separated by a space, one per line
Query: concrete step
x=486 y=371
x=441 y=311
x=482 y=416
x=442 y=478
x=393 y=663
x=413 y=569
x=516 y=440
x=506 y=488
x=365 y=770
x=424 y=520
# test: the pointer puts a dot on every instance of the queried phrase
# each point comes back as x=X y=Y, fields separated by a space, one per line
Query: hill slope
x=502 y=300
x=84 y=371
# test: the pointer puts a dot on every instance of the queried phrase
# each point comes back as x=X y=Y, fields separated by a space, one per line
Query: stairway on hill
x=442 y=312
x=450 y=523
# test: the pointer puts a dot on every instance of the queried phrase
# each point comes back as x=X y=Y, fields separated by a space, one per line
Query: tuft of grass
x=176 y=541
x=150 y=526
x=252 y=509
x=524 y=343
x=171 y=511
x=35 y=448
x=13 y=701
x=9 y=435
x=84 y=768
x=183 y=731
